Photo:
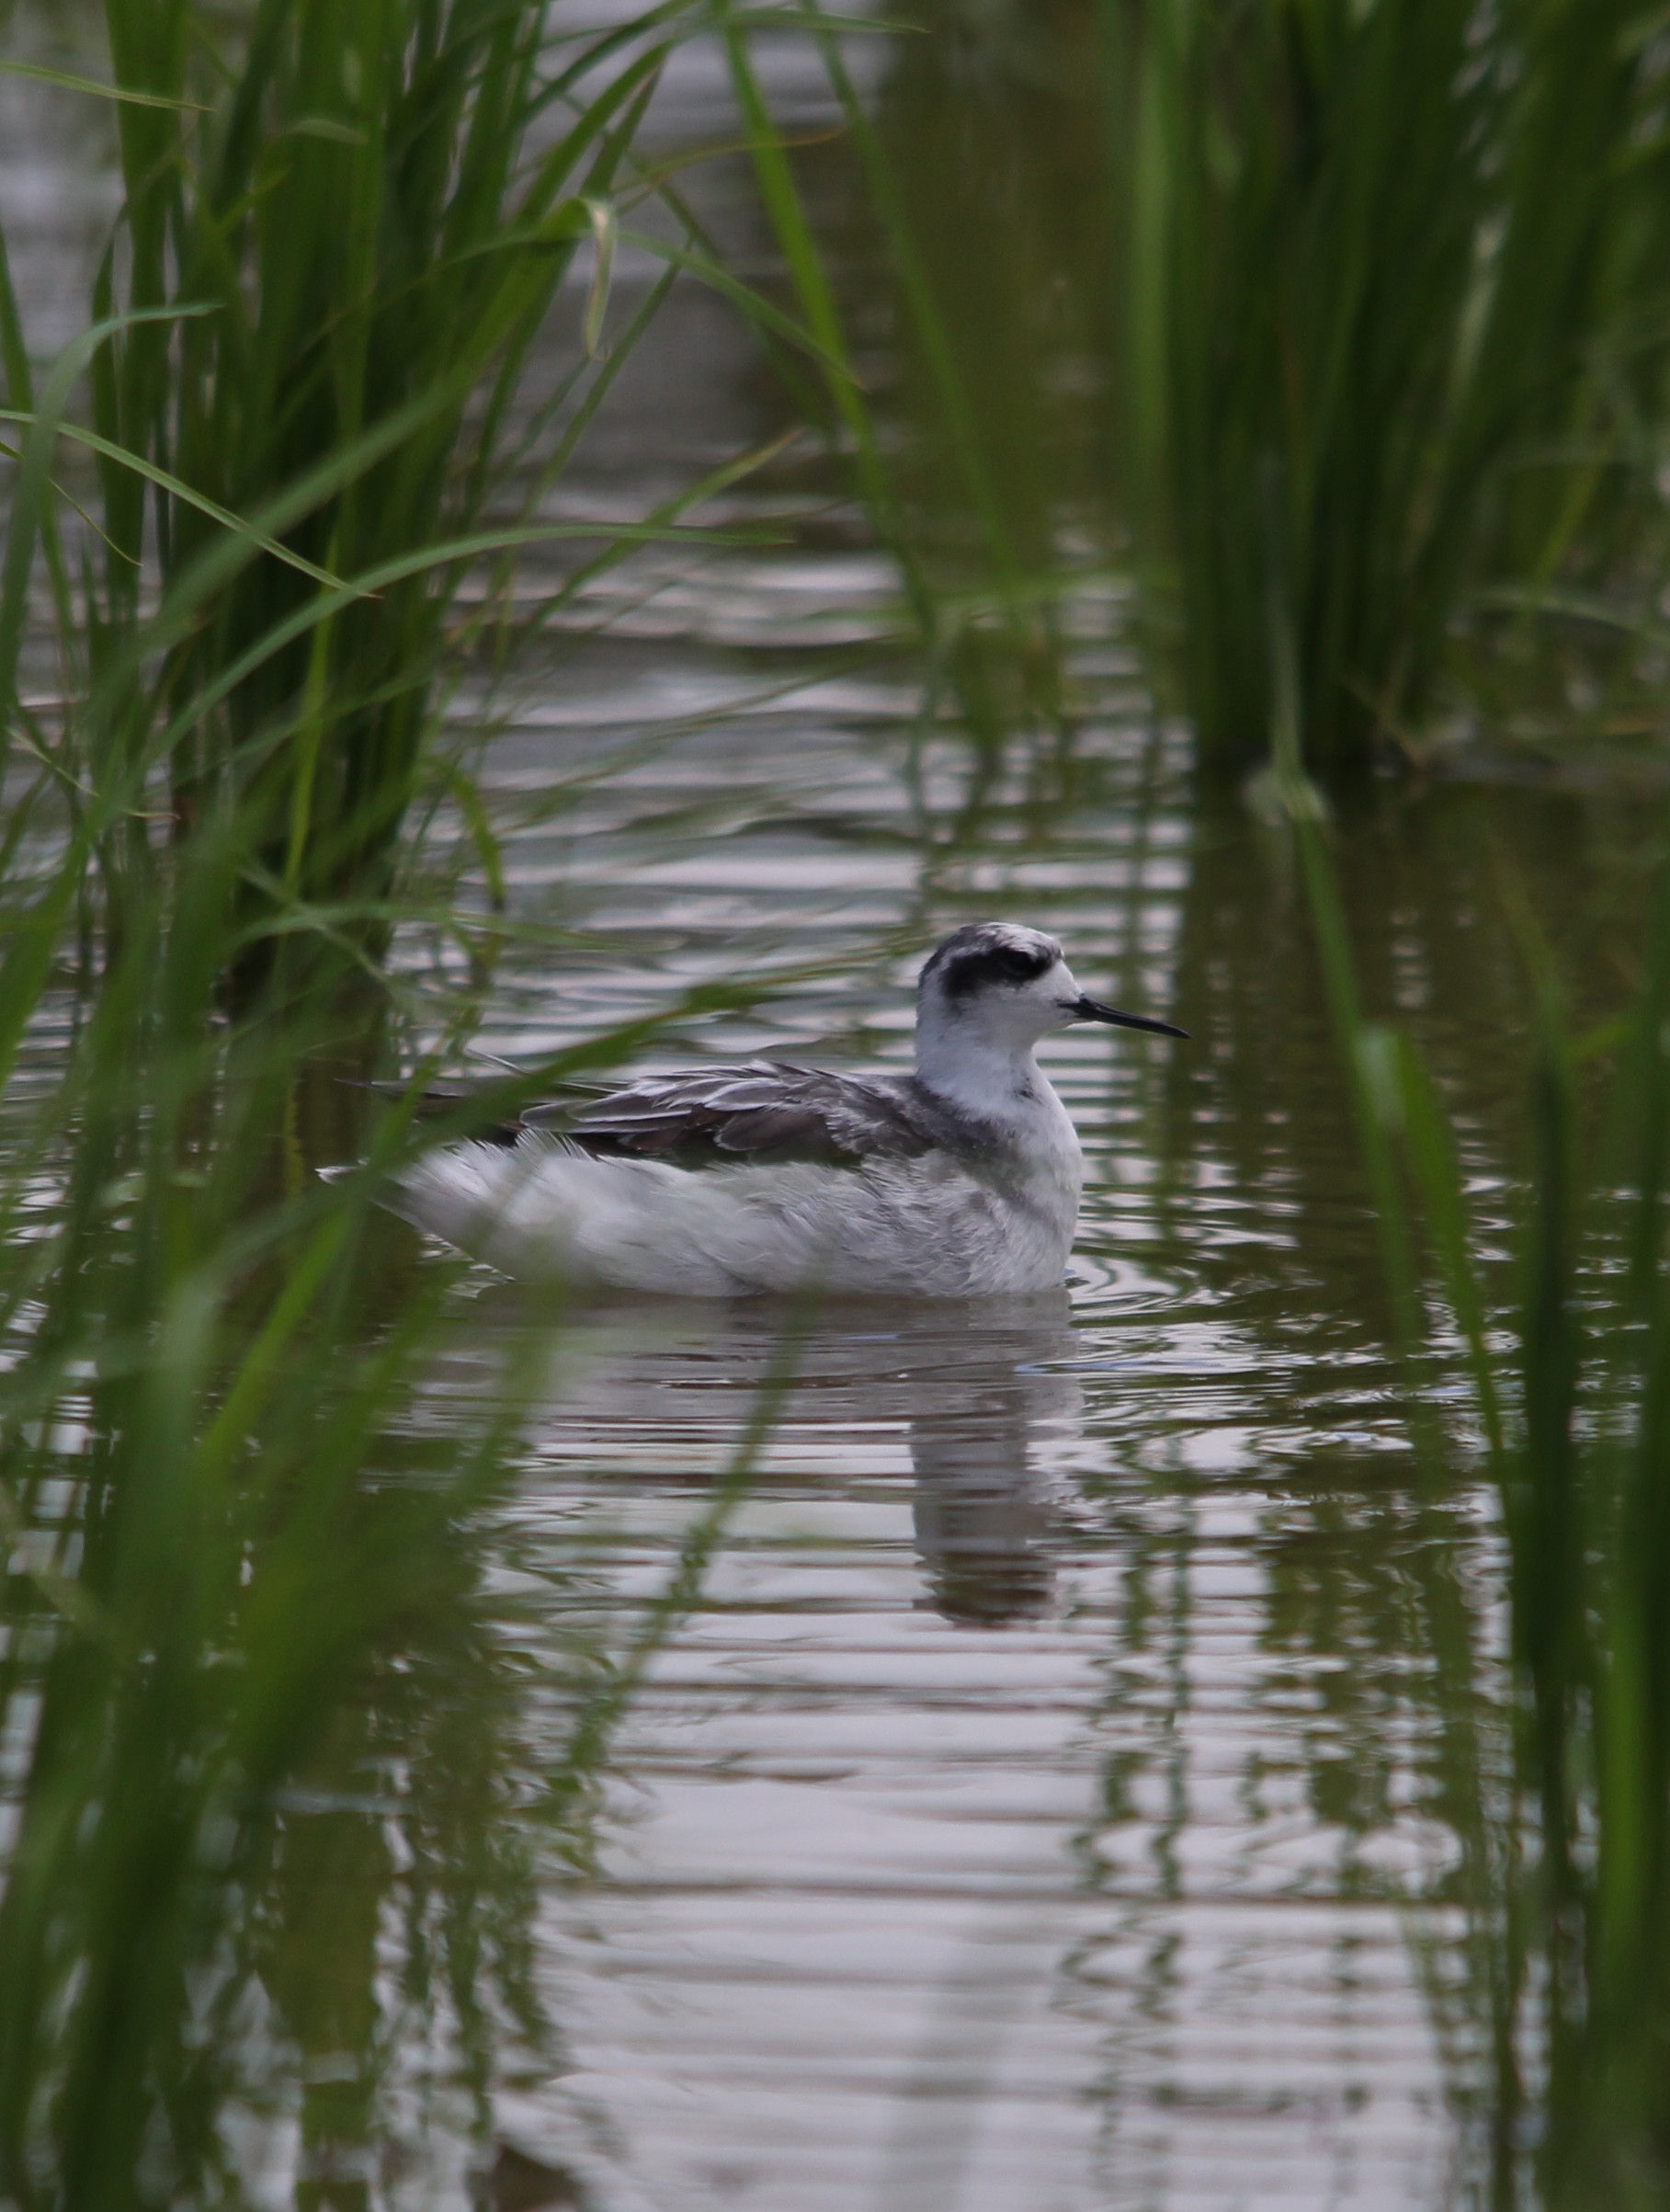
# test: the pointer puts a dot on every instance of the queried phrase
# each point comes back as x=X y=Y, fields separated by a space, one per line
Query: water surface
x=1065 y=1793
x=1057 y=1797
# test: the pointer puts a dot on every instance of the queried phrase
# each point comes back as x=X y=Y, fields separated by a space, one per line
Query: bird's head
x=999 y=984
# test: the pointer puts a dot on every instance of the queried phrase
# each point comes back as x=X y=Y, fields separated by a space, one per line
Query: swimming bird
x=958 y=1179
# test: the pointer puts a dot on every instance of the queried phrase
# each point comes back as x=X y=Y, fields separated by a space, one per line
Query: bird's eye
x=1016 y=965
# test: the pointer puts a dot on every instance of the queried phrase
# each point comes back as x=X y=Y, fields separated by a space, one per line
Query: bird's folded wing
x=475 y=1108
x=763 y=1112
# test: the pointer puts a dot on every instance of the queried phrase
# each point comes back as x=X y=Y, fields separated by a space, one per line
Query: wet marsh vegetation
x=584 y=536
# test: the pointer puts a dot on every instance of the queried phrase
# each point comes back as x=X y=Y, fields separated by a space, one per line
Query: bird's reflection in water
x=973 y=1386
x=982 y=1521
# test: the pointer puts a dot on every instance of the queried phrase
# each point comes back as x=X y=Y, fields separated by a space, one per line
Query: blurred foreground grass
x=309 y=383
x=1565 y=1826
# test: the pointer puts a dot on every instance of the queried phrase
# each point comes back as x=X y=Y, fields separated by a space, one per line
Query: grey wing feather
x=764 y=1111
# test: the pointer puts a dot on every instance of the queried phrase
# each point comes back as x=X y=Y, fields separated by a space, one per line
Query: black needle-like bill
x=1092 y=1010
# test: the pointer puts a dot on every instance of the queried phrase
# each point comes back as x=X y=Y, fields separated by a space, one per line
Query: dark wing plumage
x=765 y=1111
x=467 y=1105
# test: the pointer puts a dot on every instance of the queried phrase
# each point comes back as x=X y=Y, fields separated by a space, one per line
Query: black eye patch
x=991 y=965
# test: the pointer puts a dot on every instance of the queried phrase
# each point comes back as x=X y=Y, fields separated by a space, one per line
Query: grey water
x=1053 y=1801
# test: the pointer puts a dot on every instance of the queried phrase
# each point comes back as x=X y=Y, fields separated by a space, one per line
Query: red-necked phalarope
x=960 y=1180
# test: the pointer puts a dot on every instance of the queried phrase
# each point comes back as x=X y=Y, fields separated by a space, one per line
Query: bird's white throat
x=983 y=1075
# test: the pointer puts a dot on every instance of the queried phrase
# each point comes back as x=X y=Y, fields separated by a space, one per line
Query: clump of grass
x=1572 y=1407
x=200 y=1370
x=343 y=225
x=306 y=382
x=1389 y=291
x=245 y=1634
